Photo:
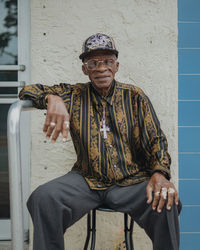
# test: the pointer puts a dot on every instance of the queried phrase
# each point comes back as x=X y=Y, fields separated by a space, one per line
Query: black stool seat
x=105 y=208
x=91 y=228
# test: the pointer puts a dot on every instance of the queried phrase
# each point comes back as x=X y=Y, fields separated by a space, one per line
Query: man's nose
x=101 y=66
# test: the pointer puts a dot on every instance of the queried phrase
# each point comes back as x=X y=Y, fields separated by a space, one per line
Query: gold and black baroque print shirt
x=129 y=149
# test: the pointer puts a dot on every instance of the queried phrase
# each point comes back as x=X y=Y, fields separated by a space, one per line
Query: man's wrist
x=48 y=96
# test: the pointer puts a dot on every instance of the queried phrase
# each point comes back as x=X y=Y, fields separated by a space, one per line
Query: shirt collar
x=98 y=98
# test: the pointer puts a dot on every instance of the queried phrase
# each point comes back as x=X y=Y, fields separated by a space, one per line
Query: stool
x=91 y=228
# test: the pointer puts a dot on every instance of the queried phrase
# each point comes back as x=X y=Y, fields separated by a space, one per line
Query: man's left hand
x=158 y=190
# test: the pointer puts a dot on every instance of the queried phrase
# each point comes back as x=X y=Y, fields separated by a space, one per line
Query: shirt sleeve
x=37 y=93
x=153 y=139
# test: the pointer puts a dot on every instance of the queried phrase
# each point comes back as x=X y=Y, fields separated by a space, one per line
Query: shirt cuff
x=43 y=99
x=162 y=170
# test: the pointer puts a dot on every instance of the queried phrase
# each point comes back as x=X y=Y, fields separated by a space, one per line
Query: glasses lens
x=92 y=64
x=109 y=62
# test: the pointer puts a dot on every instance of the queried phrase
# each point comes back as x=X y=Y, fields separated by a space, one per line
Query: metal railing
x=12 y=67
x=15 y=172
x=7 y=84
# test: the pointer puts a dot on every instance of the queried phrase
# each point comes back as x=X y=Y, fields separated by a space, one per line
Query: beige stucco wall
x=145 y=32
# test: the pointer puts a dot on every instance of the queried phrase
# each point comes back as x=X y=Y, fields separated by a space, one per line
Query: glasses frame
x=98 y=62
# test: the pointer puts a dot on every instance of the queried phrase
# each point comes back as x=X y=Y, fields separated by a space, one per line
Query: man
x=122 y=157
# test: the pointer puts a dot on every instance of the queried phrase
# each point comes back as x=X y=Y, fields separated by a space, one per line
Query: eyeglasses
x=94 y=64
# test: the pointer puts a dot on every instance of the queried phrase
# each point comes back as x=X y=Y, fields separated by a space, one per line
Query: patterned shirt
x=117 y=138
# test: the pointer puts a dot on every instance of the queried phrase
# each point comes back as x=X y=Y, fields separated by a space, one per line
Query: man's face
x=101 y=66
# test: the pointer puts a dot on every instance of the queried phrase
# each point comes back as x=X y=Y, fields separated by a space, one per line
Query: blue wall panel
x=189 y=87
x=189 y=113
x=190 y=241
x=189 y=117
x=189 y=35
x=189 y=166
x=190 y=218
x=189 y=61
x=188 y=189
x=189 y=140
x=188 y=10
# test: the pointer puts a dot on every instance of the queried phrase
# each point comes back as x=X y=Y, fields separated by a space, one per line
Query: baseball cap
x=98 y=42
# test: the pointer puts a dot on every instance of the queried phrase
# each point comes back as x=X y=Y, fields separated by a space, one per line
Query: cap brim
x=83 y=55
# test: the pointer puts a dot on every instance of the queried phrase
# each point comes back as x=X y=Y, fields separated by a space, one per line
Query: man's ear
x=84 y=70
x=117 y=67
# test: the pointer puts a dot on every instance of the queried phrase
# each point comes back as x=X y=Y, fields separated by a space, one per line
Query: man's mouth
x=101 y=77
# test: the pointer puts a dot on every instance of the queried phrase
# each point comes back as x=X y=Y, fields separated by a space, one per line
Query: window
x=14 y=60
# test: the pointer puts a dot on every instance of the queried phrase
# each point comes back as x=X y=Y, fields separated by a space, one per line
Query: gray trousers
x=58 y=204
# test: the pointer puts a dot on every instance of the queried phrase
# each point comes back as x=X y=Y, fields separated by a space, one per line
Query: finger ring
x=171 y=191
x=164 y=193
x=52 y=124
x=67 y=124
x=157 y=193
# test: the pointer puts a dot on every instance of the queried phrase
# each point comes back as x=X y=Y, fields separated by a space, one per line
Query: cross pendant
x=104 y=128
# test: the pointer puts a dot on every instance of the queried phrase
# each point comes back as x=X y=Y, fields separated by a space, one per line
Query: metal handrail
x=12 y=67
x=12 y=84
x=15 y=172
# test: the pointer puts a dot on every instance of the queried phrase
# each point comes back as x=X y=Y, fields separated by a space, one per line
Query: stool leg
x=126 y=231
x=88 y=230
x=131 y=234
x=93 y=229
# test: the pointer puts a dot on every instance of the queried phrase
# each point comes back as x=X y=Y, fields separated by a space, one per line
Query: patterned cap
x=98 y=42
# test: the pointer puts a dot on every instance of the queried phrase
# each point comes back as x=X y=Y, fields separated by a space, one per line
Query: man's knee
x=41 y=197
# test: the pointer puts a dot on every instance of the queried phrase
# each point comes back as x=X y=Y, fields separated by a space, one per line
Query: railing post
x=15 y=173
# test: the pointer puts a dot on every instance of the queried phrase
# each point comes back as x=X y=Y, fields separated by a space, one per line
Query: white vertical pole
x=15 y=173
x=24 y=30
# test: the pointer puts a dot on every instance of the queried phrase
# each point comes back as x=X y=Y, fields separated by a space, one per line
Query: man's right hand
x=57 y=118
